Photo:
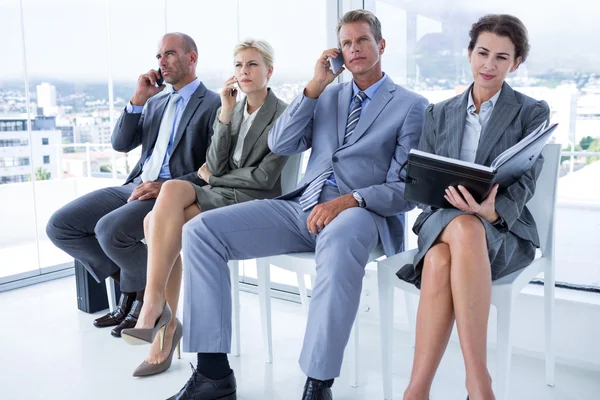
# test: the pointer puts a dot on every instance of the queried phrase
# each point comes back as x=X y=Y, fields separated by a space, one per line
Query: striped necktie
x=310 y=197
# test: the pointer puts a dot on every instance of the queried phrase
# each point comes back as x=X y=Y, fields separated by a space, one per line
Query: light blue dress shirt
x=186 y=93
x=370 y=92
x=474 y=125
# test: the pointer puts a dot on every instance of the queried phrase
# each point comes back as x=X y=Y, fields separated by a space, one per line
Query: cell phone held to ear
x=233 y=90
x=337 y=63
x=160 y=80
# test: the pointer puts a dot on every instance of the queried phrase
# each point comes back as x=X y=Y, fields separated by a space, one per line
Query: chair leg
x=411 y=312
x=303 y=292
x=549 y=322
x=353 y=347
x=110 y=293
x=264 y=298
x=504 y=347
x=235 y=299
x=386 y=324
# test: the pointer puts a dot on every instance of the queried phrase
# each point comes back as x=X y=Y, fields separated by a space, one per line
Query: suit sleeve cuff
x=131 y=109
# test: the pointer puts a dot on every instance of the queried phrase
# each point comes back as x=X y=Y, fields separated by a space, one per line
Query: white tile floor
x=50 y=350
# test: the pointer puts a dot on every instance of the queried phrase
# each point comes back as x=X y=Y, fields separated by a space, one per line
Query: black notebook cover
x=428 y=175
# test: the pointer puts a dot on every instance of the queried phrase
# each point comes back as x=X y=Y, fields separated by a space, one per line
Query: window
x=44 y=141
x=14 y=143
x=427 y=52
x=46 y=159
x=14 y=161
x=12 y=179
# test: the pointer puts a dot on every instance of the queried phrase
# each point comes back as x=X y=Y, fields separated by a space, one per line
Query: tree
x=42 y=174
x=585 y=142
x=593 y=147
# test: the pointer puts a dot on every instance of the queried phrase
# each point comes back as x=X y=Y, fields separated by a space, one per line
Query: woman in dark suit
x=239 y=167
x=462 y=249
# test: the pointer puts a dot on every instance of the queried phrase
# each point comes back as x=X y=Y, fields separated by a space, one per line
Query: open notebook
x=428 y=175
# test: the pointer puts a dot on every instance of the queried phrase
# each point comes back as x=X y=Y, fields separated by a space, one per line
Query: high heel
x=146 y=369
x=143 y=335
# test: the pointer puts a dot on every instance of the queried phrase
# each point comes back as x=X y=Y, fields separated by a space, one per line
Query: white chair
x=289 y=178
x=302 y=264
x=504 y=290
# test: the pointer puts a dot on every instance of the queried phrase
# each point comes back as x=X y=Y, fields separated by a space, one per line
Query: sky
x=68 y=39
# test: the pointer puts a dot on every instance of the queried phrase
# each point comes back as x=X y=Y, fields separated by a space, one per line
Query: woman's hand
x=228 y=98
x=466 y=202
x=204 y=173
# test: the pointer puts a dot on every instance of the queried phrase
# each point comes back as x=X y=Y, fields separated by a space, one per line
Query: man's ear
x=381 y=46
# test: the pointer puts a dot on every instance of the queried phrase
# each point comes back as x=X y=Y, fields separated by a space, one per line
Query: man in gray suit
x=350 y=199
x=103 y=229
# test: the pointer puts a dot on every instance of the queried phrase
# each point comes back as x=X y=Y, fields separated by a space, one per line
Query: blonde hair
x=264 y=48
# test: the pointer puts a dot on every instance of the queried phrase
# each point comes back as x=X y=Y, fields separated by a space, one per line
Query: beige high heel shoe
x=138 y=336
x=145 y=369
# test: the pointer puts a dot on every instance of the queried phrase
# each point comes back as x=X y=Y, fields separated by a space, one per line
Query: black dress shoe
x=130 y=320
x=199 y=387
x=317 y=390
x=116 y=317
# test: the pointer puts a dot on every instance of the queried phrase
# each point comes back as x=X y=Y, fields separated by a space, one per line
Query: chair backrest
x=543 y=203
x=290 y=173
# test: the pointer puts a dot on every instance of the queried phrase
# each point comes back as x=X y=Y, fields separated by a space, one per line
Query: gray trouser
x=103 y=232
x=267 y=227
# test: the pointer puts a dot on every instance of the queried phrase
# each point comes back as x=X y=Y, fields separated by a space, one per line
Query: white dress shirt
x=246 y=124
x=474 y=125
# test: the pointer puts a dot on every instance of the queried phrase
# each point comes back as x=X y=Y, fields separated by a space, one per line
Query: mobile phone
x=160 y=80
x=337 y=63
x=233 y=90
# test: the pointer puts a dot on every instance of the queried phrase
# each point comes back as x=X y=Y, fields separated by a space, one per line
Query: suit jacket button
x=334 y=159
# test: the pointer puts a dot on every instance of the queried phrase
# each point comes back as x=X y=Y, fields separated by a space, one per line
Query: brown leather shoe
x=116 y=317
x=130 y=320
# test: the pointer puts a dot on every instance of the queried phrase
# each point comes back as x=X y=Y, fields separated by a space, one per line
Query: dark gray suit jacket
x=191 y=139
x=514 y=117
x=259 y=174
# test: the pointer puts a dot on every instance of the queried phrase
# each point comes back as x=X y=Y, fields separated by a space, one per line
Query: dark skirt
x=209 y=197
x=507 y=252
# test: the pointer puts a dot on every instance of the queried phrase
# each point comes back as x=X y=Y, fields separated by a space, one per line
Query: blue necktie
x=310 y=197
x=152 y=167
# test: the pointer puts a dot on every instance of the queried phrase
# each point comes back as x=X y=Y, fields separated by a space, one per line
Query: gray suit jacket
x=191 y=139
x=259 y=174
x=514 y=117
x=370 y=161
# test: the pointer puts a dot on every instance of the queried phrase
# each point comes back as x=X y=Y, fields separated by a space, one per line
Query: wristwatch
x=359 y=199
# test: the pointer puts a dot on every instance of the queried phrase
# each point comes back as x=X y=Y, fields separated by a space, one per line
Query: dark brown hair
x=503 y=25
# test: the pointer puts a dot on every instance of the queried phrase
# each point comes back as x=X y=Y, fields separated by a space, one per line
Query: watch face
x=358 y=198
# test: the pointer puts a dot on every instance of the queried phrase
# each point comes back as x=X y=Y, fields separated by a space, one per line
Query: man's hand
x=466 y=202
x=204 y=173
x=323 y=214
x=145 y=191
x=146 y=88
x=323 y=75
